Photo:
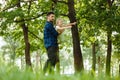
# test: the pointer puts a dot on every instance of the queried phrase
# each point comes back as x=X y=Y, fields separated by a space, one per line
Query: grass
x=13 y=73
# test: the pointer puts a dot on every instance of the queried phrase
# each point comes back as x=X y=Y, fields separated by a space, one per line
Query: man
x=50 y=42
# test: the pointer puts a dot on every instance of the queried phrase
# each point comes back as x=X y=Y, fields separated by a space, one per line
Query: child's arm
x=69 y=25
x=60 y=28
x=65 y=26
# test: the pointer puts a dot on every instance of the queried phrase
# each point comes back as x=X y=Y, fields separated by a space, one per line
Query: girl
x=60 y=27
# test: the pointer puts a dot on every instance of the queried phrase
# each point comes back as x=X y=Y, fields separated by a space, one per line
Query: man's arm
x=51 y=29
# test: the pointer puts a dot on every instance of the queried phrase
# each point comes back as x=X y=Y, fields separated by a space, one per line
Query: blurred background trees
x=93 y=44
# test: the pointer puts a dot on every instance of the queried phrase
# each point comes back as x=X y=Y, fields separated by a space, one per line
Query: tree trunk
x=109 y=50
x=22 y=62
x=94 y=57
x=78 y=60
x=27 y=45
x=37 y=61
x=109 y=46
x=99 y=65
x=119 y=69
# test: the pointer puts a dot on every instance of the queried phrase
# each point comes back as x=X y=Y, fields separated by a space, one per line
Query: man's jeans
x=53 y=58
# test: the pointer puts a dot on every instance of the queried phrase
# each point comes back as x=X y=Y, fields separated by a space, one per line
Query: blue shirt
x=50 y=35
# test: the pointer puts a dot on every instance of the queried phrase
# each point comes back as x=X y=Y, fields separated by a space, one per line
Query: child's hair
x=58 y=19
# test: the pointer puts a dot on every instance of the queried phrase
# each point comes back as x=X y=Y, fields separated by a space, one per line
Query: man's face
x=51 y=17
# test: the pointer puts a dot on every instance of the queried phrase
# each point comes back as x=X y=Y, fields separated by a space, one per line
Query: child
x=60 y=27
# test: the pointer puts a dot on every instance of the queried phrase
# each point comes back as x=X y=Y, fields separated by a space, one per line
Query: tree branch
x=62 y=2
x=13 y=5
x=9 y=7
x=27 y=0
x=55 y=1
x=34 y=35
x=110 y=2
x=66 y=15
x=28 y=19
x=113 y=1
x=29 y=6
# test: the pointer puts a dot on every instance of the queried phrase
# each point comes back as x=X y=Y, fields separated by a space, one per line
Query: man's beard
x=52 y=21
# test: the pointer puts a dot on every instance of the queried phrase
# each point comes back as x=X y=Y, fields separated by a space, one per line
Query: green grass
x=13 y=73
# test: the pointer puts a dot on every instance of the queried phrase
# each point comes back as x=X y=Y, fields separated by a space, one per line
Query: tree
x=25 y=32
x=16 y=15
x=93 y=56
x=109 y=44
x=78 y=60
